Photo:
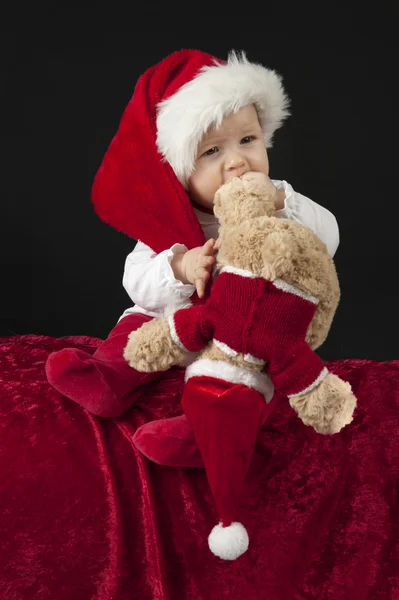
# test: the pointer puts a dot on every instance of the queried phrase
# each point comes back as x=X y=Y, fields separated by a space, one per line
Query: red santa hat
x=226 y=418
x=139 y=188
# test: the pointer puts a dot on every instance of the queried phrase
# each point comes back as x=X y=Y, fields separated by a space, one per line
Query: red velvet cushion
x=83 y=515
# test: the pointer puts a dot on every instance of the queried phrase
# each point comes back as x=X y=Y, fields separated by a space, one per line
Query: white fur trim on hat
x=228 y=372
x=228 y=542
x=215 y=92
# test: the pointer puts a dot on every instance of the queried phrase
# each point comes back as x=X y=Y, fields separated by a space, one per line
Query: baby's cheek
x=260 y=162
x=211 y=187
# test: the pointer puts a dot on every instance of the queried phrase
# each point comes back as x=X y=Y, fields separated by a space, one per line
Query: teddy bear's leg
x=103 y=383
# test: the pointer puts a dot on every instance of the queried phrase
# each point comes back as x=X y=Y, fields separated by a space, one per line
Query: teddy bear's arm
x=300 y=371
x=190 y=328
x=162 y=343
x=321 y=399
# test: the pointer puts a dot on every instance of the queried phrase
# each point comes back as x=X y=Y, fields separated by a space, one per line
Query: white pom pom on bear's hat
x=229 y=542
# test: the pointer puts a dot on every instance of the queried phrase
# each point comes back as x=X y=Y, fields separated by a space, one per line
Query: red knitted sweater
x=266 y=321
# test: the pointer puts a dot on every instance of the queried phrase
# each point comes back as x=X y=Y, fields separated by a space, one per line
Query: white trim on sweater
x=230 y=352
x=225 y=348
x=316 y=382
x=279 y=283
x=240 y=272
x=174 y=336
x=291 y=289
x=254 y=360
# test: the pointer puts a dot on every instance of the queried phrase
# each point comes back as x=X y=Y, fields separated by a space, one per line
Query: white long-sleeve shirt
x=149 y=279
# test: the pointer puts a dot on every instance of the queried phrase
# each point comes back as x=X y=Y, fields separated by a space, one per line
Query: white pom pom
x=228 y=542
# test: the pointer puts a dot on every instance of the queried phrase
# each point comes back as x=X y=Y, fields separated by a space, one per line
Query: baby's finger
x=206 y=262
x=207 y=248
x=202 y=274
x=200 y=287
x=200 y=282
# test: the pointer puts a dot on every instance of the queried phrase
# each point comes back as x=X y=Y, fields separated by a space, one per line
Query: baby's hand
x=197 y=265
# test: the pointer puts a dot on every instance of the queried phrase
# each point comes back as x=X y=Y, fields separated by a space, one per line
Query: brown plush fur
x=329 y=407
x=152 y=340
x=252 y=238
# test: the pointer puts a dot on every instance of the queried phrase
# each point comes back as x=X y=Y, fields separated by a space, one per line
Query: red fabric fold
x=83 y=515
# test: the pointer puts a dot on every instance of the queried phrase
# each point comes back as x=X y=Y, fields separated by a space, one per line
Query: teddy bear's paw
x=328 y=407
x=151 y=349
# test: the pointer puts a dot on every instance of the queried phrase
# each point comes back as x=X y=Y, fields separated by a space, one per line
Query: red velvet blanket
x=84 y=516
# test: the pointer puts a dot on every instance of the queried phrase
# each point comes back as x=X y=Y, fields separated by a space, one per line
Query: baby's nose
x=235 y=162
x=235 y=167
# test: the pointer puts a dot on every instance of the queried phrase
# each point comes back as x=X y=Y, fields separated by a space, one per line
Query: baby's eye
x=247 y=139
x=211 y=151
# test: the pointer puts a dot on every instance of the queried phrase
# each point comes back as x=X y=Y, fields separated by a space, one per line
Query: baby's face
x=236 y=147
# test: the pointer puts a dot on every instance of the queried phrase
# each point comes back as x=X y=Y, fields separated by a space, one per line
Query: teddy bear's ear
x=329 y=296
x=315 y=274
x=277 y=255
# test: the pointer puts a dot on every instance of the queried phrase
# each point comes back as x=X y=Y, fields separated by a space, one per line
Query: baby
x=194 y=122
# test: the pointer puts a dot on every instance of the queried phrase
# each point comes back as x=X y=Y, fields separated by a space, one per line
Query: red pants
x=103 y=383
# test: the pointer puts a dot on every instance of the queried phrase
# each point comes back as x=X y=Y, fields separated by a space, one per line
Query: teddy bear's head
x=241 y=200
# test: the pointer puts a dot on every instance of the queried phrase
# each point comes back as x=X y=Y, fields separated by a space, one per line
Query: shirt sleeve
x=149 y=280
x=307 y=212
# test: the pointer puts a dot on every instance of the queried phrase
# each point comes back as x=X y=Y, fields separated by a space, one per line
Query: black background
x=65 y=86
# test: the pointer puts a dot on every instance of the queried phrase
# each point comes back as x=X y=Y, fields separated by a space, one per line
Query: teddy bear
x=273 y=297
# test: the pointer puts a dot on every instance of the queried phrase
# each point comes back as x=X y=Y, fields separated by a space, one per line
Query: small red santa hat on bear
x=226 y=418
